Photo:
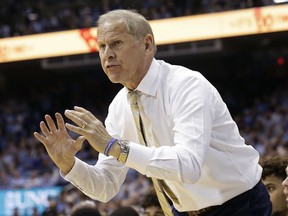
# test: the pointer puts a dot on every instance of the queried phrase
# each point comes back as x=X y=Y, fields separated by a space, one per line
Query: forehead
x=109 y=30
x=272 y=179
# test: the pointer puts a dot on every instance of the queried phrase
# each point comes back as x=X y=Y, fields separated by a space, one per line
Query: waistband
x=206 y=210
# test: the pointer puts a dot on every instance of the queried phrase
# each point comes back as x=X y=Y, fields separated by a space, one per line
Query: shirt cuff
x=138 y=157
x=75 y=172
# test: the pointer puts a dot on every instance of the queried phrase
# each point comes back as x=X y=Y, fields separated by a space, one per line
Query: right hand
x=58 y=143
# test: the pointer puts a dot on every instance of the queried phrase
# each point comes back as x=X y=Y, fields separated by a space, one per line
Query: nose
x=108 y=53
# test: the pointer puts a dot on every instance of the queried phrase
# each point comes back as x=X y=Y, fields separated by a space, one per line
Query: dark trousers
x=254 y=202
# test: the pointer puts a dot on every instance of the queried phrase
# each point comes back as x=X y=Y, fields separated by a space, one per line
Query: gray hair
x=135 y=23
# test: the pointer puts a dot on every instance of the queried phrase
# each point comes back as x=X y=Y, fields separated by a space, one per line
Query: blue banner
x=24 y=200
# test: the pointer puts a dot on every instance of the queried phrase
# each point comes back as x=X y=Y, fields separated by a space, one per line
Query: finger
x=78 y=114
x=80 y=109
x=87 y=114
x=39 y=137
x=74 y=116
x=79 y=142
x=75 y=129
x=44 y=128
x=50 y=123
x=60 y=121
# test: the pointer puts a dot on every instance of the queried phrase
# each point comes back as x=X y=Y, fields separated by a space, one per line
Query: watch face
x=124 y=142
x=124 y=151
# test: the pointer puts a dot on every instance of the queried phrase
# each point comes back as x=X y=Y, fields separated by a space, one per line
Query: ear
x=146 y=46
x=149 y=42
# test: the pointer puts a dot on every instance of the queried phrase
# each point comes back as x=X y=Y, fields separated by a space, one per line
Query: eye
x=116 y=44
x=101 y=46
x=270 y=188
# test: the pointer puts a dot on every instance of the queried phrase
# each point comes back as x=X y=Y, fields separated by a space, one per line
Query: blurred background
x=250 y=72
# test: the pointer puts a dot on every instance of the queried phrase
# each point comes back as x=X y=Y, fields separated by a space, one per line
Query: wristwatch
x=124 y=147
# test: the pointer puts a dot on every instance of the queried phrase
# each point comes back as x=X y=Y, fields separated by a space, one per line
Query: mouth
x=111 y=66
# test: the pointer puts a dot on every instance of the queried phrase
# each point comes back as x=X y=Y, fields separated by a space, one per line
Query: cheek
x=279 y=204
x=102 y=61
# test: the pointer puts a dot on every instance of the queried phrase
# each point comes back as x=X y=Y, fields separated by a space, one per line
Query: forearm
x=100 y=182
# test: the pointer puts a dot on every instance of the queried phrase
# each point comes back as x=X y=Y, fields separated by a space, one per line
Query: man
x=168 y=123
x=272 y=176
x=285 y=185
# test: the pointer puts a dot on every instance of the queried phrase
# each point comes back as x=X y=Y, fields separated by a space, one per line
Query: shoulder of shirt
x=176 y=74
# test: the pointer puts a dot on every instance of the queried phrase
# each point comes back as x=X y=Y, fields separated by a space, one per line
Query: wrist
x=114 y=150
x=118 y=149
x=124 y=150
x=67 y=166
x=109 y=146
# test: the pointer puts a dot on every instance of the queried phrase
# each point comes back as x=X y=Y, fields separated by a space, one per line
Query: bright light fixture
x=279 y=1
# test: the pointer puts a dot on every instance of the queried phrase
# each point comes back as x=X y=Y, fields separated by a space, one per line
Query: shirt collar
x=148 y=84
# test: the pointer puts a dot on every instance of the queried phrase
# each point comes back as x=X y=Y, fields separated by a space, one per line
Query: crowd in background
x=37 y=16
x=24 y=162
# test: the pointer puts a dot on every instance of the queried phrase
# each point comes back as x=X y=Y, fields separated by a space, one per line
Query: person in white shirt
x=189 y=142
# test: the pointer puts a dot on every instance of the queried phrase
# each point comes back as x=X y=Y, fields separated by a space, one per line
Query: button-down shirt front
x=192 y=142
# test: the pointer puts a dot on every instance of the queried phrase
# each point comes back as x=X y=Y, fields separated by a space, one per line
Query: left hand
x=89 y=127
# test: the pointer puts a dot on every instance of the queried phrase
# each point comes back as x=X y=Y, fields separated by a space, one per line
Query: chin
x=114 y=79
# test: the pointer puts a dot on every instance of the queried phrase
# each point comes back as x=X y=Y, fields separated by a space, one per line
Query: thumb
x=78 y=142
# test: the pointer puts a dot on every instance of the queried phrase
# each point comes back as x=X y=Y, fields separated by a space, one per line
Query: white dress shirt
x=193 y=142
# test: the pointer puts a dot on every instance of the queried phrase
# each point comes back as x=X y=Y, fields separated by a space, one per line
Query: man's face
x=122 y=55
x=275 y=190
x=153 y=211
x=285 y=185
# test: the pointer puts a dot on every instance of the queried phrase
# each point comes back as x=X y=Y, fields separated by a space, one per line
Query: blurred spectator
x=285 y=185
x=125 y=211
x=51 y=209
x=32 y=17
x=85 y=208
x=34 y=212
x=150 y=205
x=15 y=212
x=273 y=175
